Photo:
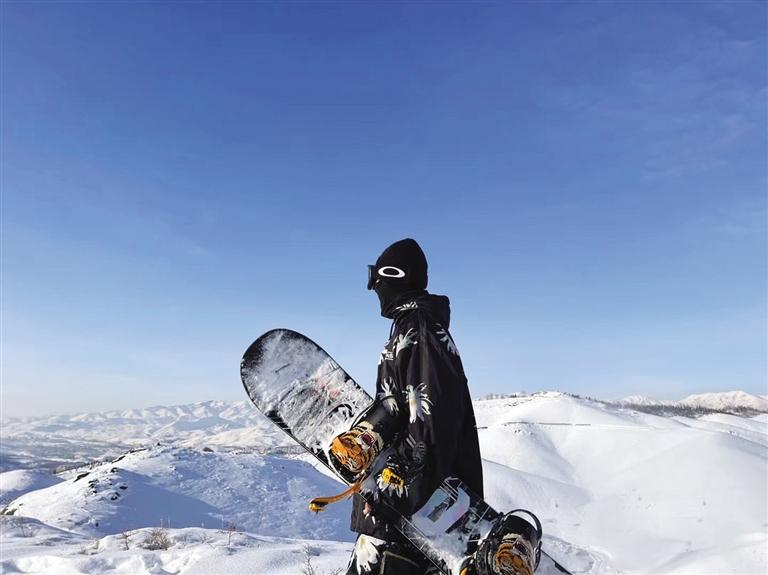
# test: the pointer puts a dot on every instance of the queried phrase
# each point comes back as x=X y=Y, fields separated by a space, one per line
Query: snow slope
x=182 y=487
x=16 y=483
x=653 y=493
x=617 y=491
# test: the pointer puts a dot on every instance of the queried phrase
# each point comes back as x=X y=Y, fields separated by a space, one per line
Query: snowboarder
x=423 y=412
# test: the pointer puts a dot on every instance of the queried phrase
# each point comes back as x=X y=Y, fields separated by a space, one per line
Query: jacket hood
x=438 y=307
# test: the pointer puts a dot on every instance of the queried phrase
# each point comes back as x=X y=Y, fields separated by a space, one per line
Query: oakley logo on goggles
x=385 y=272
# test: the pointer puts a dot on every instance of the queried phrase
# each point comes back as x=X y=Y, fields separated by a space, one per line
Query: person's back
x=466 y=463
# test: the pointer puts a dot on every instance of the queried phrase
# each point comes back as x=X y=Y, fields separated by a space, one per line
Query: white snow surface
x=16 y=483
x=616 y=490
x=183 y=487
x=30 y=546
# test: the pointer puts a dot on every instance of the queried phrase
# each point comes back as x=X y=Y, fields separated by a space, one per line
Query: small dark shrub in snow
x=23 y=526
x=308 y=569
x=125 y=537
x=501 y=396
x=157 y=539
x=587 y=397
x=231 y=528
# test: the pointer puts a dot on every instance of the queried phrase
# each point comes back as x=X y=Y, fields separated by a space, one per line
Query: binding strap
x=319 y=504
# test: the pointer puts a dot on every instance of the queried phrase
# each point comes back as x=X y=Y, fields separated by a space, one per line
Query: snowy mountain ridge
x=150 y=421
x=62 y=441
x=643 y=400
x=727 y=400
x=210 y=412
x=617 y=490
x=67 y=440
x=719 y=401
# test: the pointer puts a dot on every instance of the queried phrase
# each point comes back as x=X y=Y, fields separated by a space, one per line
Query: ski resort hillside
x=617 y=490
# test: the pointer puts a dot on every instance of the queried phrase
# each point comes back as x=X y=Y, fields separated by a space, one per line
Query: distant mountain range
x=66 y=441
x=726 y=401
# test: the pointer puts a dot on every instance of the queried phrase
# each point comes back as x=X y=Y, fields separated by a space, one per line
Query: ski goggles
x=389 y=272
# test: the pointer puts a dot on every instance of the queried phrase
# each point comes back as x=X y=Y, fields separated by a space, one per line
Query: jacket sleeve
x=428 y=383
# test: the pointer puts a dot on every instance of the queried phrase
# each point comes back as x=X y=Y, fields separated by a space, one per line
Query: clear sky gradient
x=588 y=181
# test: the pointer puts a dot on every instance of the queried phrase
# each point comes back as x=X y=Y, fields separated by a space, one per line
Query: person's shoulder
x=408 y=324
x=418 y=320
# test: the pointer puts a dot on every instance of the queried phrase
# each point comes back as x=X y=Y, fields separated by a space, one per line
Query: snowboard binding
x=513 y=547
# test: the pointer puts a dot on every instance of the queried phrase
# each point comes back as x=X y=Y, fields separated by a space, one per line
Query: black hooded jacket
x=422 y=384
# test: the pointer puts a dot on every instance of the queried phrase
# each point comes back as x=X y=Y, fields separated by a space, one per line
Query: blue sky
x=588 y=181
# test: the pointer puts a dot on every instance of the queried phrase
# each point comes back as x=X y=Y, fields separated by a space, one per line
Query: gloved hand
x=355 y=450
x=389 y=501
x=391 y=480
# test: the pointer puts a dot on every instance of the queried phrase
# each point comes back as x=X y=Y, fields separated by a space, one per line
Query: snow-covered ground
x=183 y=487
x=617 y=490
x=35 y=547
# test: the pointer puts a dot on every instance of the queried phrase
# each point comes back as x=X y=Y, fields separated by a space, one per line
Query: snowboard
x=300 y=388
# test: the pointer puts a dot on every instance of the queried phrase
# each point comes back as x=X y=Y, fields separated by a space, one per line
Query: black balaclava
x=400 y=273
